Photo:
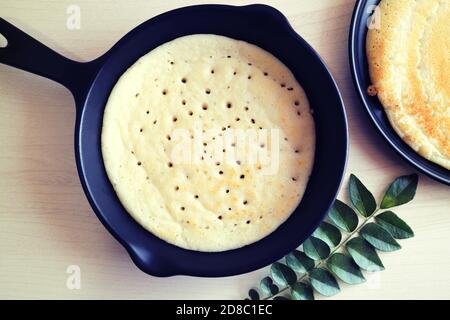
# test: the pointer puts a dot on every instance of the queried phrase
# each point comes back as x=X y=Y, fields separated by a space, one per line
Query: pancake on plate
x=208 y=142
x=409 y=63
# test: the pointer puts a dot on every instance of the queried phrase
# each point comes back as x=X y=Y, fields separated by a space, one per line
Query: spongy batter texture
x=408 y=52
x=184 y=98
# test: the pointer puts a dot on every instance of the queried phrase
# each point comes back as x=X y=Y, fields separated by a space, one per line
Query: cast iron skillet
x=360 y=71
x=91 y=84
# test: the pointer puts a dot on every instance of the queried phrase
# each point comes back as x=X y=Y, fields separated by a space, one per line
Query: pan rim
x=230 y=270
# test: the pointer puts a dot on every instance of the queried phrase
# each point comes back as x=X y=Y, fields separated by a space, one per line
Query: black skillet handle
x=24 y=52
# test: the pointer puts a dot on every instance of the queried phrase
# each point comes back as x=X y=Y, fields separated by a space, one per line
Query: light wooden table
x=46 y=223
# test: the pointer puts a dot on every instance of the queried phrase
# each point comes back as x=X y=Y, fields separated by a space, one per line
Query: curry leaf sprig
x=343 y=245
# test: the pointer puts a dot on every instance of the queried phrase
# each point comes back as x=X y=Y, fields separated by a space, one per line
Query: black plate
x=360 y=73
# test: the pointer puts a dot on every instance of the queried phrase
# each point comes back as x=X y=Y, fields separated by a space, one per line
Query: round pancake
x=409 y=63
x=173 y=154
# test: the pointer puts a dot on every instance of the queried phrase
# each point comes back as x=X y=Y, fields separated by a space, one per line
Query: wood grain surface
x=46 y=223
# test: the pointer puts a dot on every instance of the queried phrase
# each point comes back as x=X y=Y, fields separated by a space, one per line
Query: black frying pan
x=360 y=72
x=92 y=82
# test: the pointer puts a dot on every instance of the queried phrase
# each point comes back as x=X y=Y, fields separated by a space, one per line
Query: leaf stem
x=321 y=263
